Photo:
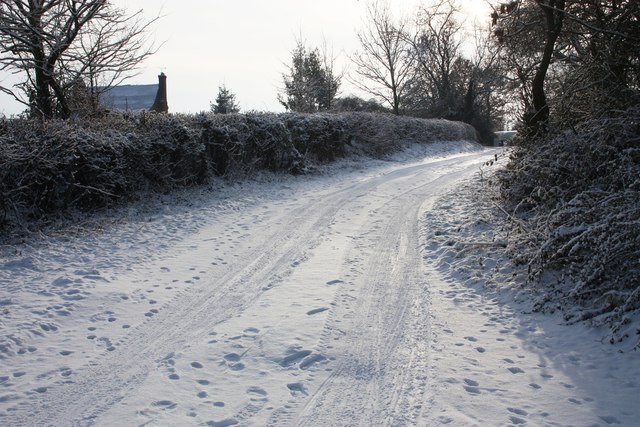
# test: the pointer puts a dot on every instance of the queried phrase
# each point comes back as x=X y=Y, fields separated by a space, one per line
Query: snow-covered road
x=299 y=302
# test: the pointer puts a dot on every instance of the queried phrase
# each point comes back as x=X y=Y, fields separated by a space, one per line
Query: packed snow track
x=307 y=306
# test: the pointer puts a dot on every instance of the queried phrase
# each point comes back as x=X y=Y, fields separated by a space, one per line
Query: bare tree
x=66 y=47
x=436 y=51
x=383 y=65
x=486 y=93
x=530 y=30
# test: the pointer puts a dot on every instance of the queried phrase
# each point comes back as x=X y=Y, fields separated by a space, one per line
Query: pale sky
x=244 y=44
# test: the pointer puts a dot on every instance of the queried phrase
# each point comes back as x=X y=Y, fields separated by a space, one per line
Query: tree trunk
x=554 y=14
x=42 y=78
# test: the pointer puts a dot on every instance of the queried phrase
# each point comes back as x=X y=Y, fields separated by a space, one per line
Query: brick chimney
x=160 y=104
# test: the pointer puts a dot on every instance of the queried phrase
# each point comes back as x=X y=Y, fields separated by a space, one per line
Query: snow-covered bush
x=239 y=144
x=380 y=134
x=53 y=166
x=321 y=136
x=50 y=166
x=577 y=196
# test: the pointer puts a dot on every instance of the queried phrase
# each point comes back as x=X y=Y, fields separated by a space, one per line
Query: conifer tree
x=225 y=102
x=311 y=84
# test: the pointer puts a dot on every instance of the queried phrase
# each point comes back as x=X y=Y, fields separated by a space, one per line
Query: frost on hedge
x=578 y=195
x=54 y=166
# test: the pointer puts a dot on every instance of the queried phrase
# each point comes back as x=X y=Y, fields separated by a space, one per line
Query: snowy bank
x=498 y=361
x=574 y=198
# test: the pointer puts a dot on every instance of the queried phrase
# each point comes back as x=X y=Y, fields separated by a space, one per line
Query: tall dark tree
x=225 y=102
x=529 y=30
x=61 y=45
x=311 y=83
x=574 y=56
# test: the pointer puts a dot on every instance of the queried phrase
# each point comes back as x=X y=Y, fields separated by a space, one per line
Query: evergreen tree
x=311 y=84
x=225 y=102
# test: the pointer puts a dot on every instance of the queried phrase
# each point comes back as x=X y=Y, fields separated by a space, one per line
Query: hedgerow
x=576 y=201
x=52 y=167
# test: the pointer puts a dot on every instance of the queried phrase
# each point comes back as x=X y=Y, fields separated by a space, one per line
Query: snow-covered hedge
x=576 y=198
x=381 y=134
x=53 y=166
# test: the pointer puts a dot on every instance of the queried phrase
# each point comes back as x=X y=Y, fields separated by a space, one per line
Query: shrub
x=579 y=196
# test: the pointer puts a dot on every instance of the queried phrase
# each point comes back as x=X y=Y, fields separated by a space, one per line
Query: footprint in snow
x=294 y=358
x=232 y=357
x=309 y=361
x=164 y=404
x=471 y=386
x=10 y=397
x=257 y=394
x=196 y=365
x=515 y=370
x=61 y=282
x=48 y=327
x=518 y=411
x=257 y=390
x=472 y=389
x=297 y=388
x=224 y=423
x=609 y=419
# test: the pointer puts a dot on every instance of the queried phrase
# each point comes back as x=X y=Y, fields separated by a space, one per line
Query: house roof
x=130 y=97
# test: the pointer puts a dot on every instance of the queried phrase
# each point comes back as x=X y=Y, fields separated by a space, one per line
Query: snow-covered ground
x=370 y=295
x=495 y=362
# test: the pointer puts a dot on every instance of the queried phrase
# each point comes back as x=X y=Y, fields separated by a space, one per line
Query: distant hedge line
x=53 y=166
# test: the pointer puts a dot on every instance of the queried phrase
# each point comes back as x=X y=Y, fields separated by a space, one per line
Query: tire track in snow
x=382 y=361
x=191 y=315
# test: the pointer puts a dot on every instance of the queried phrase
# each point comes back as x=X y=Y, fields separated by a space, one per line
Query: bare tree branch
x=383 y=65
x=60 y=45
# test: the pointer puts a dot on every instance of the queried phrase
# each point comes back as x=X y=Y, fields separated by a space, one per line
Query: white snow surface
x=374 y=294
